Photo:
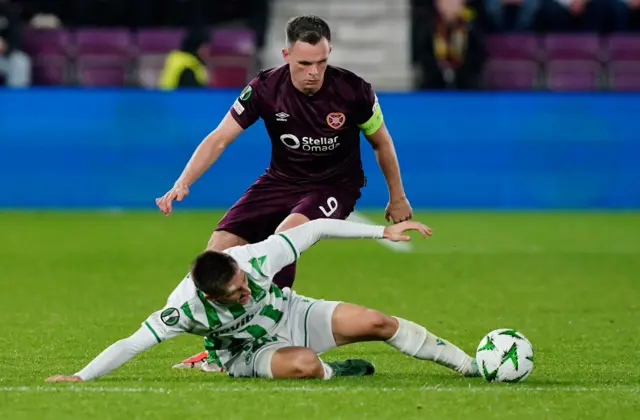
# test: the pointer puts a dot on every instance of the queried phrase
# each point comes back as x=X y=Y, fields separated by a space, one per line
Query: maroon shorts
x=267 y=202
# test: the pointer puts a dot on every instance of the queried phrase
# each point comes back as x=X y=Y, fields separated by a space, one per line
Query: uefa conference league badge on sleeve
x=245 y=95
x=170 y=316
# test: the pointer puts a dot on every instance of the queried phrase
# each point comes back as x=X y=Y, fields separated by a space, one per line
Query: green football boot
x=352 y=367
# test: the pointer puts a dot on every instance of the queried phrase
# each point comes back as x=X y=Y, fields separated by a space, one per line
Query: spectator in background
x=512 y=15
x=15 y=65
x=450 y=48
x=626 y=15
x=575 y=15
x=185 y=68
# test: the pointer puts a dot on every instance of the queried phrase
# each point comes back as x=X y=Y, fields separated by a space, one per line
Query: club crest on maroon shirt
x=336 y=119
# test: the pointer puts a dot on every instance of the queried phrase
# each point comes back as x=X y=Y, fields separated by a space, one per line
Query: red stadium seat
x=228 y=77
x=112 y=41
x=624 y=75
x=513 y=47
x=110 y=72
x=511 y=74
x=232 y=41
x=623 y=47
x=46 y=41
x=573 y=75
x=50 y=70
x=572 y=47
x=158 y=41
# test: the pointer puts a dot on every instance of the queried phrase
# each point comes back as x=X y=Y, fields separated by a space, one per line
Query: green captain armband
x=374 y=123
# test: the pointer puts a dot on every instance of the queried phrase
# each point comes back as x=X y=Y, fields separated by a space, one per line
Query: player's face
x=237 y=290
x=307 y=64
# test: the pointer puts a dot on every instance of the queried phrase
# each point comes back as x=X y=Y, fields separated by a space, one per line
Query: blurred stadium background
x=492 y=103
x=584 y=45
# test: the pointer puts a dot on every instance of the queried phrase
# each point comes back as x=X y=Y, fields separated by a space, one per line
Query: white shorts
x=307 y=323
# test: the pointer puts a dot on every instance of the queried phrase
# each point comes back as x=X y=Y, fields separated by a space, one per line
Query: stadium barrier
x=122 y=148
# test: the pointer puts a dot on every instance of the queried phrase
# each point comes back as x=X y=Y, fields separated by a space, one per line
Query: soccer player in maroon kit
x=314 y=114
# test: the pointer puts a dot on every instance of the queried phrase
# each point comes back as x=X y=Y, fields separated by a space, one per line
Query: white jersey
x=230 y=328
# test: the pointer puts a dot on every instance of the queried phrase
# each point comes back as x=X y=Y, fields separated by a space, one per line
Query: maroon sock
x=286 y=276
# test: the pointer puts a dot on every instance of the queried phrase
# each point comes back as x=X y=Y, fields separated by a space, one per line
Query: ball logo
x=170 y=316
x=336 y=119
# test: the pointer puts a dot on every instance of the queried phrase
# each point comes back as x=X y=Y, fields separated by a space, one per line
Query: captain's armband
x=374 y=123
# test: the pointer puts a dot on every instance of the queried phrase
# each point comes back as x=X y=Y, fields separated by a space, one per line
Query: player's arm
x=375 y=131
x=241 y=116
x=304 y=236
x=387 y=158
x=112 y=357
x=207 y=152
x=153 y=331
x=210 y=149
x=282 y=249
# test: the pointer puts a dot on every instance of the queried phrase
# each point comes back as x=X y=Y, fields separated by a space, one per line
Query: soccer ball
x=505 y=355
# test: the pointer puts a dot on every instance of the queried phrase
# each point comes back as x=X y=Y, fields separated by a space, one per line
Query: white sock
x=328 y=370
x=414 y=340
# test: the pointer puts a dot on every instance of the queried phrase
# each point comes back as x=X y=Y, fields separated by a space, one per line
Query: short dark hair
x=310 y=29
x=211 y=271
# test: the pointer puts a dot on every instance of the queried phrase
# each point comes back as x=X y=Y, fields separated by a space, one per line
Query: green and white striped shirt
x=231 y=328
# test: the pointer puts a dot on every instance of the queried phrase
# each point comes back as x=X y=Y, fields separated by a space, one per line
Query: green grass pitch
x=73 y=283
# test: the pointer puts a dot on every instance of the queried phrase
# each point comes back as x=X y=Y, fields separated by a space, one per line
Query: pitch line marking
x=504 y=388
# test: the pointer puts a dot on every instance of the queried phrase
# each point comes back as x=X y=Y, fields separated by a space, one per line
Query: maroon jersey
x=314 y=139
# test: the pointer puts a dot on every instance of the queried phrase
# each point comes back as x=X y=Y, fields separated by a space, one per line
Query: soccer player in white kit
x=254 y=329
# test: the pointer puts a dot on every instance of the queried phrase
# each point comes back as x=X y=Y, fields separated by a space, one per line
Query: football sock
x=328 y=370
x=414 y=340
x=286 y=276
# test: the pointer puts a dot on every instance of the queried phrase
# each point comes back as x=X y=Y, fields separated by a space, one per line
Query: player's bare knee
x=305 y=364
x=221 y=240
x=296 y=362
x=379 y=325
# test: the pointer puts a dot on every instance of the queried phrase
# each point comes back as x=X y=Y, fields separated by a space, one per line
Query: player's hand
x=64 y=378
x=397 y=232
x=398 y=210
x=177 y=193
